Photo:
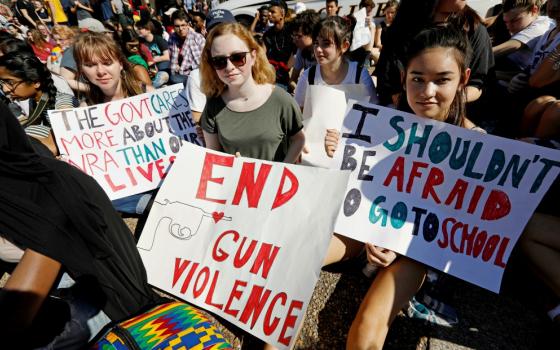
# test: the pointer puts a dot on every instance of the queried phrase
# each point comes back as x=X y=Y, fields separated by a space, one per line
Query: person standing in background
x=279 y=44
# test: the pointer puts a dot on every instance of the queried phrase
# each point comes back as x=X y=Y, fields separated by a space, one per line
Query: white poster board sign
x=126 y=145
x=325 y=108
x=242 y=238
x=452 y=198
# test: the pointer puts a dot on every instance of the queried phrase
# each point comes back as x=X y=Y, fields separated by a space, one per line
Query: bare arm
x=142 y=74
x=27 y=17
x=255 y=21
x=297 y=142
x=70 y=78
x=164 y=57
x=80 y=5
x=507 y=48
x=25 y=291
x=545 y=73
x=377 y=40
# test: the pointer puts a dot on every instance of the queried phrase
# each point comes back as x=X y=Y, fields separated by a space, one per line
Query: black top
x=28 y=6
x=388 y=68
x=279 y=49
x=57 y=210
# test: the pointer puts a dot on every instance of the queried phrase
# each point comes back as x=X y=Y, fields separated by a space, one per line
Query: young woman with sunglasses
x=23 y=77
x=245 y=113
x=434 y=81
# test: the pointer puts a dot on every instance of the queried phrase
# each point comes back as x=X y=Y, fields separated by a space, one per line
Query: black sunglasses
x=238 y=59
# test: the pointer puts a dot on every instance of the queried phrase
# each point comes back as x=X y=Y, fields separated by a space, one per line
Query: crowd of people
x=246 y=85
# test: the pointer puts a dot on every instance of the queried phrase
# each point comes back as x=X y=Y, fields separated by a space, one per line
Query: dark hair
x=181 y=15
x=26 y=66
x=509 y=5
x=364 y=3
x=198 y=14
x=148 y=25
x=127 y=36
x=445 y=36
x=12 y=44
x=306 y=21
x=336 y=28
x=335 y=1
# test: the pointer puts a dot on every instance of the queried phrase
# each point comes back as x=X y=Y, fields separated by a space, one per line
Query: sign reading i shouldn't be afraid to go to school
x=242 y=238
x=129 y=144
x=452 y=198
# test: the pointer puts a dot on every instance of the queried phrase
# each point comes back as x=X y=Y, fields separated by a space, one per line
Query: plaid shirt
x=191 y=51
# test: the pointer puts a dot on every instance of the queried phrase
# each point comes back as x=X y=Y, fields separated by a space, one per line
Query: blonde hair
x=263 y=72
x=64 y=32
x=90 y=45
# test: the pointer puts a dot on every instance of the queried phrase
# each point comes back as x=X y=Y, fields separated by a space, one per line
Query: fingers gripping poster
x=452 y=198
x=242 y=238
x=126 y=145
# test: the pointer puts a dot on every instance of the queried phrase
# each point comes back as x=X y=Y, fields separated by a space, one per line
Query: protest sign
x=242 y=238
x=325 y=108
x=129 y=144
x=452 y=198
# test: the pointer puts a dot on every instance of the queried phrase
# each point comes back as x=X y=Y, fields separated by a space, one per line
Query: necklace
x=279 y=48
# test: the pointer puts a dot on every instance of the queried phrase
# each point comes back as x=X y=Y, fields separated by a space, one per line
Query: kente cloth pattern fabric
x=171 y=326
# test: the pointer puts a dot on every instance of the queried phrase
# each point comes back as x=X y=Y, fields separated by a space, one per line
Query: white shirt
x=529 y=38
x=197 y=100
x=349 y=79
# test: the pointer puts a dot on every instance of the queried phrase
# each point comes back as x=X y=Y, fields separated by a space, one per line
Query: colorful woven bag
x=170 y=326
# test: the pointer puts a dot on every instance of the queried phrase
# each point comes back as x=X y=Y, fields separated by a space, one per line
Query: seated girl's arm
x=142 y=74
x=331 y=141
x=548 y=70
x=297 y=141
x=378 y=256
x=25 y=291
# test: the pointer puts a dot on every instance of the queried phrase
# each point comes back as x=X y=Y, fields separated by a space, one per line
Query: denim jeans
x=135 y=204
x=160 y=79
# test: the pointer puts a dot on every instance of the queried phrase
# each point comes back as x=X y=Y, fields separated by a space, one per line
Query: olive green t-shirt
x=263 y=133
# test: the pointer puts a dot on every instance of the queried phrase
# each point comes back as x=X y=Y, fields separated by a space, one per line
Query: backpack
x=313 y=71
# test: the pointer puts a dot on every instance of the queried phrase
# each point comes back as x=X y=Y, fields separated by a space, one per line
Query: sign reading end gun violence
x=242 y=238
x=129 y=144
x=452 y=198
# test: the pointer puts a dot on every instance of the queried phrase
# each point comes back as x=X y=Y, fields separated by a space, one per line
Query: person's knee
x=367 y=332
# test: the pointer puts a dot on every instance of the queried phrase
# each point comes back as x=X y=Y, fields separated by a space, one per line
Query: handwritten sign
x=126 y=145
x=452 y=198
x=242 y=238
x=325 y=108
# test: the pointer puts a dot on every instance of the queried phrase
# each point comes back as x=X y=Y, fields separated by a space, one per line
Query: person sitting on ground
x=109 y=76
x=78 y=267
x=159 y=50
x=41 y=48
x=522 y=20
x=302 y=34
x=331 y=38
x=434 y=81
x=130 y=45
x=245 y=113
x=24 y=77
x=185 y=47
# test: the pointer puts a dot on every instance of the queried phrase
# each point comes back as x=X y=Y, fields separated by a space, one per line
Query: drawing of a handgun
x=181 y=220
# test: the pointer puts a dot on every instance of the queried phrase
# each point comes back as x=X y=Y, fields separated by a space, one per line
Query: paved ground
x=514 y=320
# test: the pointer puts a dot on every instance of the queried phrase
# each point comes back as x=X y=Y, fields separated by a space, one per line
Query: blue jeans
x=160 y=79
x=135 y=204
x=86 y=317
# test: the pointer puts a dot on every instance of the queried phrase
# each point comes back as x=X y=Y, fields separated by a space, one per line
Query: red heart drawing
x=217 y=216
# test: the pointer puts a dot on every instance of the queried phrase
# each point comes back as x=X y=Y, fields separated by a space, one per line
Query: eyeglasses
x=132 y=45
x=238 y=59
x=10 y=85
